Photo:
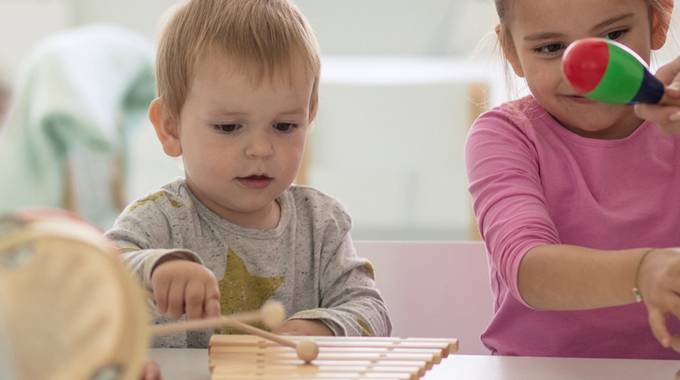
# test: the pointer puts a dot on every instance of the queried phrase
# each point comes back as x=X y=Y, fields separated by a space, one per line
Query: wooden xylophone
x=246 y=357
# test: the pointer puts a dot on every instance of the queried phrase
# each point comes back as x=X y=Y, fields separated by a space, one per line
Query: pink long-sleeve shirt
x=534 y=182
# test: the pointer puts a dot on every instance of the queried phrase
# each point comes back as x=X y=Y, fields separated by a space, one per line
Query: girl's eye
x=227 y=128
x=284 y=127
x=615 y=35
x=550 y=49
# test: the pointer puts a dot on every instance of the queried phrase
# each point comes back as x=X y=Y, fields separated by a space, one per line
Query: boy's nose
x=259 y=147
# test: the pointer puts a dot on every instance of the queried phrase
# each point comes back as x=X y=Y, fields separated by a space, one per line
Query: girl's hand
x=181 y=287
x=659 y=285
x=667 y=117
x=151 y=371
x=309 y=327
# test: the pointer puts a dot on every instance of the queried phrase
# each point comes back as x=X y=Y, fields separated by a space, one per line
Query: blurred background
x=401 y=82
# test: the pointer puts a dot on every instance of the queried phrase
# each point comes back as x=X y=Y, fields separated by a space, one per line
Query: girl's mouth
x=580 y=99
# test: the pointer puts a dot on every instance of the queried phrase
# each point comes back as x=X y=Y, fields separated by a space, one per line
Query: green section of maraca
x=622 y=79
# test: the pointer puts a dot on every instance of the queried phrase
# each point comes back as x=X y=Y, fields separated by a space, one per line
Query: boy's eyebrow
x=554 y=35
x=295 y=111
x=232 y=114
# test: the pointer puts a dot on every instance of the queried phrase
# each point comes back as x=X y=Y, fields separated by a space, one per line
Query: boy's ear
x=660 y=24
x=509 y=51
x=166 y=126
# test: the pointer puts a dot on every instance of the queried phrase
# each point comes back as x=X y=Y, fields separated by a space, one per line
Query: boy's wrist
x=173 y=256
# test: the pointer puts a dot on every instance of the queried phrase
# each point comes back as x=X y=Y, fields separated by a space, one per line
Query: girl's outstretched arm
x=562 y=277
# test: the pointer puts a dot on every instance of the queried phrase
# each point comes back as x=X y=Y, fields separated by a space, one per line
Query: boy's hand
x=659 y=285
x=181 y=286
x=303 y=327
x=150 y=371
x=667 y=117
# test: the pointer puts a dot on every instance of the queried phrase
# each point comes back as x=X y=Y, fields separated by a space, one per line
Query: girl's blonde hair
x=265 y=37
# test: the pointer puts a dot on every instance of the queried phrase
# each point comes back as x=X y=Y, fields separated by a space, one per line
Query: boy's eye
x=284 y=127
x=227 y=128
x=550 y=49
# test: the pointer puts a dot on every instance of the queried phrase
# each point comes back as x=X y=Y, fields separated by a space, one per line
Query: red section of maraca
x=584 y=63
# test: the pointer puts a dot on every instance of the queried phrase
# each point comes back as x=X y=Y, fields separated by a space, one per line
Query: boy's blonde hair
x=265 y=37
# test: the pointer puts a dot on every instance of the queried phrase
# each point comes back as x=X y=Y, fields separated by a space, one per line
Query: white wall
x=344 y=27
x=25 y=22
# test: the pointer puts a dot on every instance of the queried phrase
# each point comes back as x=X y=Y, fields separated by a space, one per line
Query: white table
x=192 y=364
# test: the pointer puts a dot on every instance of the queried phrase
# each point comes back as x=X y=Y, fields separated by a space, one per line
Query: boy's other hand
x=309 y=327
x=151 y=371
x=181 y=286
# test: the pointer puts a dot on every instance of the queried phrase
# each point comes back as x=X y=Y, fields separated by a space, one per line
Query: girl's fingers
x=194 y=297
x=669 y=72
x=674 y=307
x=666 y=117
x=657 y=322
x=176 y=299
x=675 y=343
x=656 y=113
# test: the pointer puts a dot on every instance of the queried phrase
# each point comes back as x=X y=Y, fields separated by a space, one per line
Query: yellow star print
x=154 y=197
x=241 y=291
x=364 y=327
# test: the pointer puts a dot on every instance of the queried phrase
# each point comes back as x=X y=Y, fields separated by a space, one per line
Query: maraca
x=609 y=72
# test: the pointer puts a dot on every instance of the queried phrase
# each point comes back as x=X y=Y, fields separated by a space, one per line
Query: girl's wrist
x=637 y=294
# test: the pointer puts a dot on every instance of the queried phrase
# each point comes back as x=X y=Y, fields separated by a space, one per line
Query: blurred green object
x=80 y=95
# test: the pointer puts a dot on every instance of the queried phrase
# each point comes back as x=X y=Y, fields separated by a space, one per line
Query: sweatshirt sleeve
x=142 y=233
x=351 y=305
x=508 y=198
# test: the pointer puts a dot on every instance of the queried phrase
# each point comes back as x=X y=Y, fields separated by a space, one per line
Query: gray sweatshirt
x=308 y=262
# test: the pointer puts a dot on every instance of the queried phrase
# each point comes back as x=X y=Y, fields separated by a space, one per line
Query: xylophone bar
x=252 y=358
x=337 y=357
x=447 y=346
x=310 y=373
x=330 y=376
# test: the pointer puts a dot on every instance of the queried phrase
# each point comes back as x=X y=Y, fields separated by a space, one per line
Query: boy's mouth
x=255 y=181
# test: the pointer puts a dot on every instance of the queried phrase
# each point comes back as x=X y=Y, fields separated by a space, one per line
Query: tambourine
x=68 y=307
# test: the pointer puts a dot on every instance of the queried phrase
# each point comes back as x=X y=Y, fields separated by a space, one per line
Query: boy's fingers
x=657 y=322
x=151 y=371
x=194 y=297
x=212 y=301
x=212 y=308
x=176 y=299
x=161 y=289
